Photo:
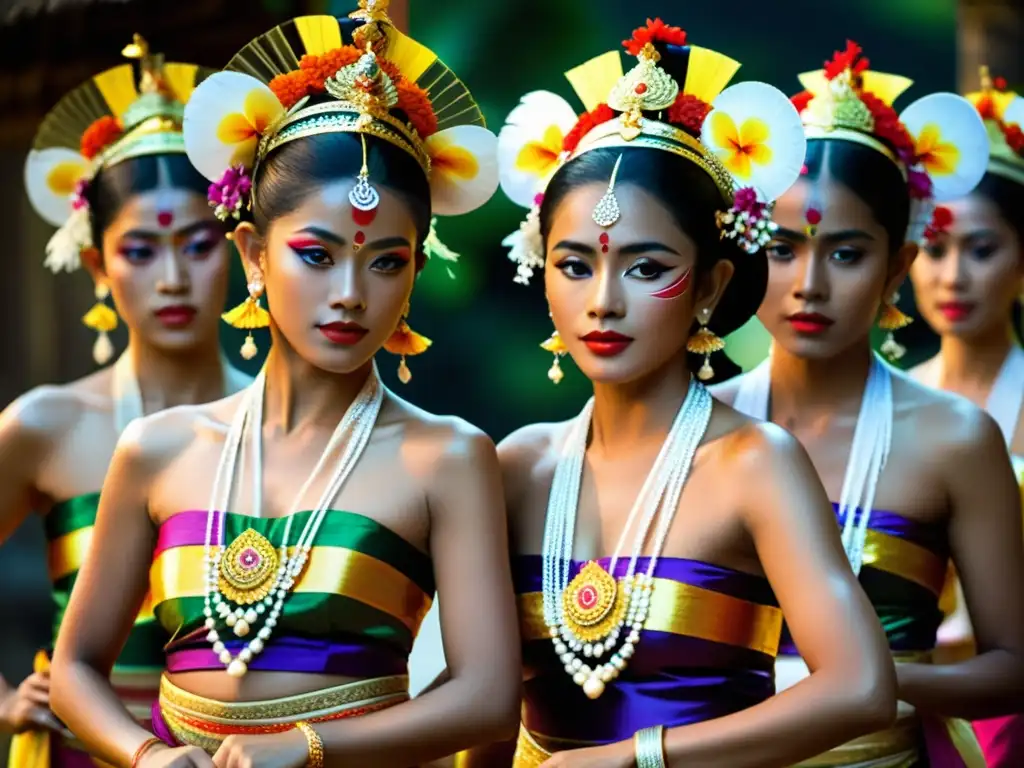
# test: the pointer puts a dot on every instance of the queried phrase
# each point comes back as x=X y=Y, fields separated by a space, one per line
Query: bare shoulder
x=950 y=426
x=149 y=444
x=521 y=451
x=45 y=414
x=439 y=443
x=755 y=450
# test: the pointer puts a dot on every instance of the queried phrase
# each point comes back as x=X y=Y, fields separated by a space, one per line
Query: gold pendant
x=247 y=569
x=593 y=604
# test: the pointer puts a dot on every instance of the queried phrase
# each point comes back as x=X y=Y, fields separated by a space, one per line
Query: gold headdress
x=937 y=143
x=747 y=138
x=1003 y=113
x=103 y=122
x=367 y=78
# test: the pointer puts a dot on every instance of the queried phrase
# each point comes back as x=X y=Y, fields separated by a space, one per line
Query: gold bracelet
x=143 y=749
x=650 y=752
x=316 y=744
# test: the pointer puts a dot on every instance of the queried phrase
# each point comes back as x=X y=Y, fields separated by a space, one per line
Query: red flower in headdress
x=602 y=113
x=1014 y=137
x=689 y=112
x=942 y=219
x=801 y=100
x=848 y=59
x=656 y=31
x=100 y=135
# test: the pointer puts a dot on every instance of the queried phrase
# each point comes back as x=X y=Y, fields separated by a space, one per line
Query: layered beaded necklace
x=249 y=579
x=590 y=614
x=869 y=452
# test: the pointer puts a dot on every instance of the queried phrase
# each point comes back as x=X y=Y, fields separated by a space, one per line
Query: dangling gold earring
x=103 y=320
x=555 y=346
x=890 y=319
x=247 y=316
x=705 y=342
x=405 y=342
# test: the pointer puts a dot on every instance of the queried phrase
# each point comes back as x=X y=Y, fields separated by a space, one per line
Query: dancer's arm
x=27 y=430
x=985 y=536
x=108 y=594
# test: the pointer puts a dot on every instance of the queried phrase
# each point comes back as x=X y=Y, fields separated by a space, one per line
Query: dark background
x=485 y=364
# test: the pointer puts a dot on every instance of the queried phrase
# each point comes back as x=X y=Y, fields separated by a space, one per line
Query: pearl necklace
x=591 y=613
x=249 y=579
x=869 y=452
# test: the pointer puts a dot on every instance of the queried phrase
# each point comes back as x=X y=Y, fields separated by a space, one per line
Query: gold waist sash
x=529 y=754
x=205 y=723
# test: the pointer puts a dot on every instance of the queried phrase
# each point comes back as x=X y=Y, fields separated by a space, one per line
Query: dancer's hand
x=280 y=750
x=161 y=756
x=27 y=707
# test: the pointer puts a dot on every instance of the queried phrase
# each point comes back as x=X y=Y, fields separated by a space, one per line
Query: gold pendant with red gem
x=248 y=568
x=592 y=604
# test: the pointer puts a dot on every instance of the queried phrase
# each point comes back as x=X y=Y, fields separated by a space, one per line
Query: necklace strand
x=656 y=504
x=353 y=433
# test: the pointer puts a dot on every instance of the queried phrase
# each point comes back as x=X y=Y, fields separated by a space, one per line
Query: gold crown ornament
x=360 y=75
x=747 y=137
x=937 y=143
x=113 y=117
x=1003 y=113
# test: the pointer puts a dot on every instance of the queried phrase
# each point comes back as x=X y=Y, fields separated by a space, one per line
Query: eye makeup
x=676 y=289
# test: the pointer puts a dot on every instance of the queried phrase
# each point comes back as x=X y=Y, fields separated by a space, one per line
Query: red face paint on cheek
x=678 y=288
x=165 y=219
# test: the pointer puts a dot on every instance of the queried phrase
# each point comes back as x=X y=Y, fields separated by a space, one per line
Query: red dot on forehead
x=603 y=239
x=604 y=249
x=165 y=218
x=360 y=238
x=363 y=218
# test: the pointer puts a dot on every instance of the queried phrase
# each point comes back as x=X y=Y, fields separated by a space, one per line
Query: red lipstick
x=176 y=316
x=955 y=311
x=606 y=343
x=345 y=334
x=809 y=323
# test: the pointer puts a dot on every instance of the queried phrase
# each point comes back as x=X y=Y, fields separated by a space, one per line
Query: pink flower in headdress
x=78 y=200
x=228 y=195
x=748 y=222
x=919 y=185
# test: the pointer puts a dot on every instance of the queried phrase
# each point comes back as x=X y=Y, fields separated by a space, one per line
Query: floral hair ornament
x=359 y=75
x=942 y=220
x=747 y=138
x=1003 y=113
x=111 y=118
x=320 y=74
x=938 y=143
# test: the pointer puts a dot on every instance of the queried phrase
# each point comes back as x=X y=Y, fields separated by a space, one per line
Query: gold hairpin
x=607 y=212
x=363 y=196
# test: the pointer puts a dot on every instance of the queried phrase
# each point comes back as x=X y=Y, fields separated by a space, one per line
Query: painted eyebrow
x=628 y=250
x=383 y=243
x=831 y=237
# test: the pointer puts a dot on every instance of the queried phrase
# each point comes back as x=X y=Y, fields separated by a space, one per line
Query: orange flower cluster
x=602 y=113
x=100 y=135
x=656 y=31
x=848 y=59
x=689 y=112
x=315 y=71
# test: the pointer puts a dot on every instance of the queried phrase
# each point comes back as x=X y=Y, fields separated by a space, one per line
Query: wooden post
x=399 y=13
x=990 y=33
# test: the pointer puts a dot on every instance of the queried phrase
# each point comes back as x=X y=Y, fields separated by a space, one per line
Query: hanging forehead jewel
x=363 y=196
x=607 y=212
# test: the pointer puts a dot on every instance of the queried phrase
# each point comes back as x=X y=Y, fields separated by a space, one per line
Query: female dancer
x=131 y=208
x=967 y=280
x=291 y=585
x=879 y=441
x=662 y=653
